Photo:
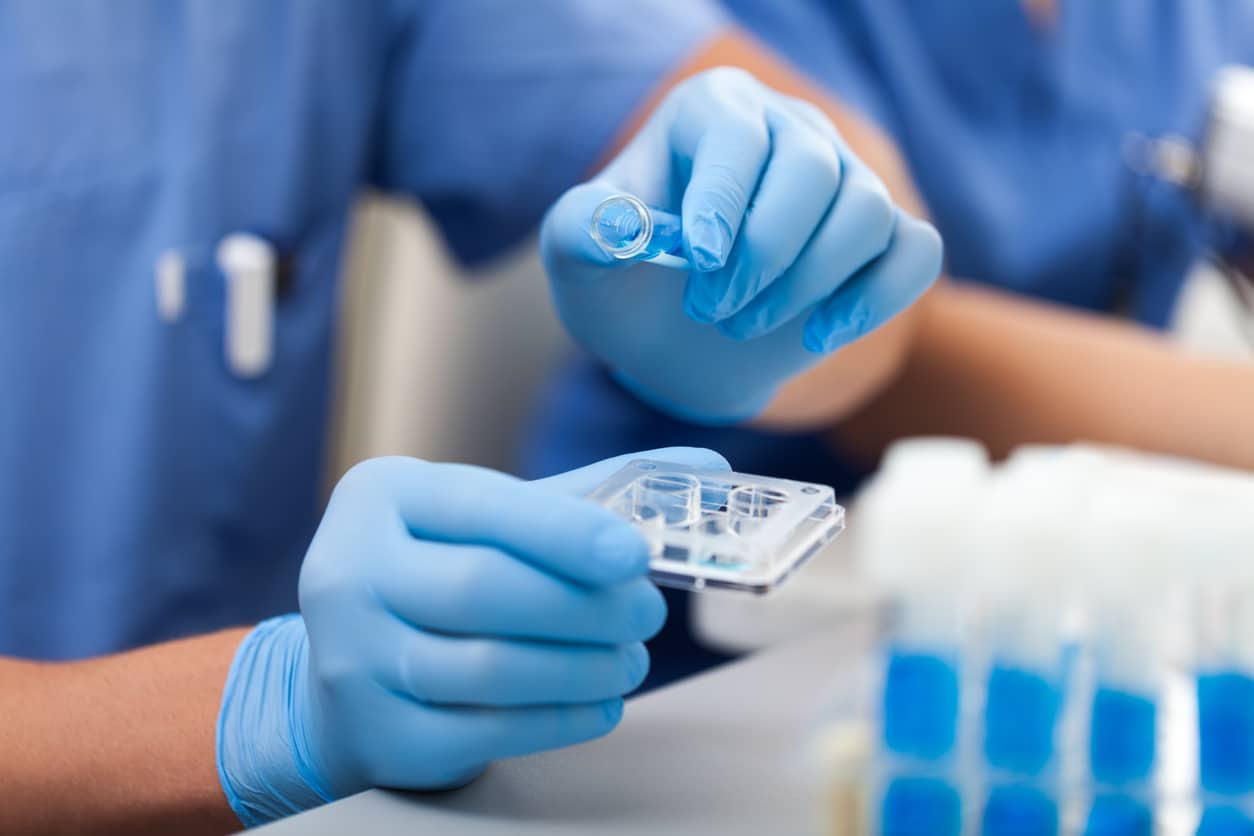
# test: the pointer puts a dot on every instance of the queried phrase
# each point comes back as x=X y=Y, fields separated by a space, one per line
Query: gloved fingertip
x=935 y=248
x=823 y=336
x=463 y=777
x=706 y=259
x=621 y=554
x=636 y=660
x=648 y=612
x=709 y=241
x=702 y=457
x=613 y=711
x=816 y=338
x=712 y=459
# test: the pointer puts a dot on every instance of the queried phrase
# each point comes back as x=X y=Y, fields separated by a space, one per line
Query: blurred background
x=415 y=375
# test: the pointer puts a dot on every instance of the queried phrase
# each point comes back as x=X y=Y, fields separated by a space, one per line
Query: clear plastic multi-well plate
x=718 y=529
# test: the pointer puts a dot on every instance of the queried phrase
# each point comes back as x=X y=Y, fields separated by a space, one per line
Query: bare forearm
x=119 y=744
x=1010 y=372
x=846 y=381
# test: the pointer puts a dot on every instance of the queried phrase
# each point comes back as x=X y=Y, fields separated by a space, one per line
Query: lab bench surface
x=724 y=752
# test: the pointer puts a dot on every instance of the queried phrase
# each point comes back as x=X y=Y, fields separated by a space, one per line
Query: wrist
x=263 y=757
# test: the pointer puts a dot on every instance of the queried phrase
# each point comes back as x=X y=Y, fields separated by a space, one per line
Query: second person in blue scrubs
x=1013 y=120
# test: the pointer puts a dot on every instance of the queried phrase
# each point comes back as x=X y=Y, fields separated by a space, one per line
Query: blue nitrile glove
x=795 y=245
x=451 y=616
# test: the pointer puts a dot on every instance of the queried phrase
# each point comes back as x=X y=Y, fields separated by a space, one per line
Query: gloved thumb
x=569 y=251
x=582 y=481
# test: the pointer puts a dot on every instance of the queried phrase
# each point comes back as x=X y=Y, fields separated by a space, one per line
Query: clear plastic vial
x=626 y=228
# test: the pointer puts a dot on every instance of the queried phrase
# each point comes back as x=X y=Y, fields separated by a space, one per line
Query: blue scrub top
x=1014 y=133
x=145 y=491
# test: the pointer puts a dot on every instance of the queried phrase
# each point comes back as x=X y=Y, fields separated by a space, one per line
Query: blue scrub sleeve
x=824 y=42
x=491 y=110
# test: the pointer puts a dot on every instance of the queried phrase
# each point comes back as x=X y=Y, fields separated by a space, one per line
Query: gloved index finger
x=727 y=162
x=568 y=536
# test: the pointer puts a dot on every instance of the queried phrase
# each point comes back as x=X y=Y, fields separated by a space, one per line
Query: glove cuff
x=262 y=762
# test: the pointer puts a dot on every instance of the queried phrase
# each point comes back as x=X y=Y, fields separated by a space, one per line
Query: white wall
x=1209 y=319
x=434 y=361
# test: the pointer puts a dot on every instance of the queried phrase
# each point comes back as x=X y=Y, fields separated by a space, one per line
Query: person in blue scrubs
x=1013 y=119
x=154 y=487
x=132 y=454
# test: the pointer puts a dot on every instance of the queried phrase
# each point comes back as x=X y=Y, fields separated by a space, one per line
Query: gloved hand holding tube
x=450 y=616
x=794 y=244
